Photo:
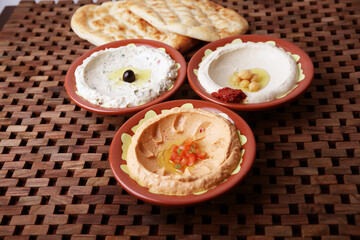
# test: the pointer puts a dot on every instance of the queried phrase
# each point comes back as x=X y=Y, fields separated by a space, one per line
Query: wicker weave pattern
x=55 y=180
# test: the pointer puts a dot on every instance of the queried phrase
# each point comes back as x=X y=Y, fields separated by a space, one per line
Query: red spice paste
x=230 y=95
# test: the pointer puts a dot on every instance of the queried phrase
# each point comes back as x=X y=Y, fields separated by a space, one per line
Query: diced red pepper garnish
x=186 y=154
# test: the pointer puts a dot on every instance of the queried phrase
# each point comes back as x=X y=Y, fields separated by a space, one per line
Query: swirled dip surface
x=215 y=69
x=99 y=81
x=215 y=135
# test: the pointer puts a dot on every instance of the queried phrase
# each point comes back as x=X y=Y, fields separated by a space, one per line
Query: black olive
x=129 y=76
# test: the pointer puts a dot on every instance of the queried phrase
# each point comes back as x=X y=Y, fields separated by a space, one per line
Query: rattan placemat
x=55 y=180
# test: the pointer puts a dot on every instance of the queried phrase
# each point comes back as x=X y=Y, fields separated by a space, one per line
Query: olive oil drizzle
x=141 y=76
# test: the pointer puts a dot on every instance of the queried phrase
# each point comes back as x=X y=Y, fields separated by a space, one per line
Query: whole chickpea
x=254 y=86
x=244 y=83
x=254 y=78
x=244 y=74
x=235 y=79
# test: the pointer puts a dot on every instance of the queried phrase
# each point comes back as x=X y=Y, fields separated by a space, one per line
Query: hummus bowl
x=128 y=134
x=96 y=80
x=283 y=71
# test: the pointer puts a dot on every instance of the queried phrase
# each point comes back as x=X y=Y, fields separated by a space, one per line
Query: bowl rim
x=306 y=65
x=132 y=187
x=70 y=81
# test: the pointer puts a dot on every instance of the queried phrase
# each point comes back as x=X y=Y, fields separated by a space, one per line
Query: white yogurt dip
x=217 y=67
x=99 y=78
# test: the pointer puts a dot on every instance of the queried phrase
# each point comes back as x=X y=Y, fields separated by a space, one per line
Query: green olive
x=129 y=76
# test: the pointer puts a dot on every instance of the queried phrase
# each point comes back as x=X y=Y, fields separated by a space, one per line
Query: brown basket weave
x=55 y=180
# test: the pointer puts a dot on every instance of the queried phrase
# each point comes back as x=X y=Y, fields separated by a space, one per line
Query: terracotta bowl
x=305 y=61
x=70 y=83
x=132 y=187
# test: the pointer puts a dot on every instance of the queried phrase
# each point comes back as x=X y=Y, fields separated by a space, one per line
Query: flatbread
x=200 y=19
x=112 y=21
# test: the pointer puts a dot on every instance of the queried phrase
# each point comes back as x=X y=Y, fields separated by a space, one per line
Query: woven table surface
x=55 y=178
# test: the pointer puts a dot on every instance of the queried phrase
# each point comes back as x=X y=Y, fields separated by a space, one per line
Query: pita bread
x=200 y=19
x=112 y=21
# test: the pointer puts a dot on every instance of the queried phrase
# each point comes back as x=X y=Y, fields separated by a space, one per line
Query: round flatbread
x=200 y=19
x=112 y=21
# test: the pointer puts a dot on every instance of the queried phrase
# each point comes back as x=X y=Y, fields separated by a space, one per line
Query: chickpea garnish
x=235 y=80
x=244 y=83
x=254 y=86
x=254 y=78
x=246 y=79
x=244 y=74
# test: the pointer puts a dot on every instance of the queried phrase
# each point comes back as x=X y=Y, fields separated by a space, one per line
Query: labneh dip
x=100 y=79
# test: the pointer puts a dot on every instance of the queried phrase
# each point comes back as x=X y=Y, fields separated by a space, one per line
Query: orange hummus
x=213 y=134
